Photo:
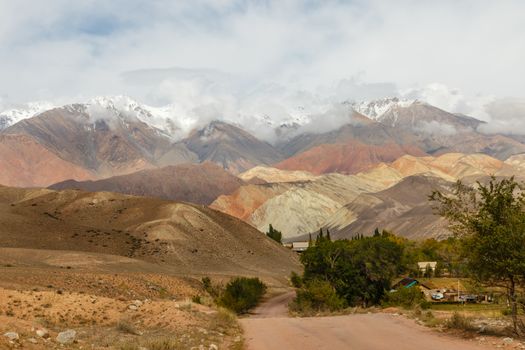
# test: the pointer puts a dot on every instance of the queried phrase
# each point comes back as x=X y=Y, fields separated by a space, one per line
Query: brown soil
x=107 y=310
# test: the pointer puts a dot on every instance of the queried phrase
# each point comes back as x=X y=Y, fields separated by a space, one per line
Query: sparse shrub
x=206 y=283
x=406 y=297
x=129 y=346
x=506 y=312
x=125 y=326
x=213 y=290
x=315 y=296
x=460 y=322
x=196 y=299
x=241 y=294
x=163 y=344
x=429 y=319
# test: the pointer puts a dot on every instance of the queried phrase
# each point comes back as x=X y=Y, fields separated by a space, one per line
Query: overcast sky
x=459 y=55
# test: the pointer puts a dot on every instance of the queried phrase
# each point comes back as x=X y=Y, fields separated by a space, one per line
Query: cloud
x=507 y=116
x=60 y=47
x=436 y=128
x=451 y=99
x=271 y=58
x=199 y=96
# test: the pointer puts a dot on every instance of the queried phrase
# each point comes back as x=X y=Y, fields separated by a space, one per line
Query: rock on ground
x=66 y=337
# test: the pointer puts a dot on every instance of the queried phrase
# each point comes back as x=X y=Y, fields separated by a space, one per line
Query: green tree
x=359 y=270
x=274 y=234
x=491 y=221
x=428 y=272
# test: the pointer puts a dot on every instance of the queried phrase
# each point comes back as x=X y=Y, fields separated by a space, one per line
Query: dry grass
x=460 y=322
x=125 y=326
x=108 y=322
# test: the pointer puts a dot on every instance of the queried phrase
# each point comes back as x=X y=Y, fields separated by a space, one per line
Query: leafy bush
x=296 y=280
x=406 y=297
x=241 y=294
x=315 y=296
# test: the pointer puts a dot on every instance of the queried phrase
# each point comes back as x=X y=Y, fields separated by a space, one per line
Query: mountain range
x=347 y=177
x=107 y=137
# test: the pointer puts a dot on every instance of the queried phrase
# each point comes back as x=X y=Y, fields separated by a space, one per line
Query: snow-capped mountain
x=108 y=107
x=375 y=109
x=14 y=115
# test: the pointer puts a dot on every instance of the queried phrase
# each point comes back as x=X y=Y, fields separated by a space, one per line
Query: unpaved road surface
x=270 y=328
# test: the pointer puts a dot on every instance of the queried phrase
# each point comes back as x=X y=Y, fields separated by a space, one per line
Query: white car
x=437 y=296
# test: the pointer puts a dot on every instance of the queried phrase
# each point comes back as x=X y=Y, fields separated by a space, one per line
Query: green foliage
x=296 y=280
x=490 y=219
x=206 y=283
x=241 y=294
x=274 y=234
x=408 y=298
x=315 y=296
x=213 y=290
x=359 y=270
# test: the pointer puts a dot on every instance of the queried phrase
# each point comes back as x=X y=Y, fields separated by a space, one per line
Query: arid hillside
x=231 y=147
x=349 y=158
x=189 y=239
x=382 y=196
x=25 y=162
x=103 y=270
x=273 y=175
x=298 y=207
x=403 y=208
x=194 y=183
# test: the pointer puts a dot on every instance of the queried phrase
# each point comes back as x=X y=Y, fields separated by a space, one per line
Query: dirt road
x=270 y=328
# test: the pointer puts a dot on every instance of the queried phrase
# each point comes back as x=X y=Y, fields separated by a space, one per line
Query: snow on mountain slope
x=13 y=115
x=375 y=109
x=166 y=119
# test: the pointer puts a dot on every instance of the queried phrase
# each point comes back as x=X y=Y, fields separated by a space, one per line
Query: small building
x=424 y=265
x=408 y=282
x=300 y=247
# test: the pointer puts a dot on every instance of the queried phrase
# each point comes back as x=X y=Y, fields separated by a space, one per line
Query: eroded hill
x=189 y=239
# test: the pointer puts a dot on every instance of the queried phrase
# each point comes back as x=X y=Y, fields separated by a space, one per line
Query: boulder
x=42 y=333
x=11 y=335
x=66 y=337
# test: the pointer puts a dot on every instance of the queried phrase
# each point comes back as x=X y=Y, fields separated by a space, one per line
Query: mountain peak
x=13 y=115
x=375 y=109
